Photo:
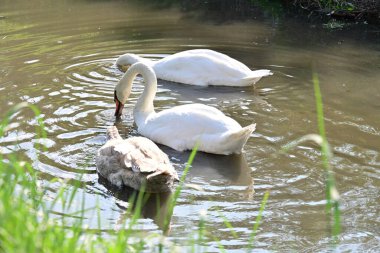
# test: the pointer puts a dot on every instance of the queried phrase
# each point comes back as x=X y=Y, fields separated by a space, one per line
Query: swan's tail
x=238 y=139
x=113 y=133
x=256 y=75
x=245 y=132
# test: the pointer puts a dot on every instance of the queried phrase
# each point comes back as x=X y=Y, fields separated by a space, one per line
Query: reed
x=331 y=192
x=257 y=221
x=179 y=188
x=332 y=195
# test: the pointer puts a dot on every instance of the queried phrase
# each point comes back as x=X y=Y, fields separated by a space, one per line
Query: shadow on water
x=211 y=169
x=233 y=170
x=281 y=14
x=154 y=205
x=212 y=94
x=222 y=11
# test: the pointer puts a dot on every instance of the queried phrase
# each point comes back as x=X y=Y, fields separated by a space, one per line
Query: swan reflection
x=211 y=169
x=154 y=205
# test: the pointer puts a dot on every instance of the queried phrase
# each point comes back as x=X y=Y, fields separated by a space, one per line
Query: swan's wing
x=198 y=64
x=182 y=126
x=212 y=55
x=122 y=148
x=146 y=157
x=221 y=57
x=139 y=162
x=200 y=68
x=137 y=153
x=197 y=109
x=194 y=116
x=108 y=159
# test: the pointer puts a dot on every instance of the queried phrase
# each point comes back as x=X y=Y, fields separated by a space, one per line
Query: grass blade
x=257 y=222
x=178 y=190
x=332 y=195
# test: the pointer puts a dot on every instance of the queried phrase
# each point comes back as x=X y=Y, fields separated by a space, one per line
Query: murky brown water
x=59 y=56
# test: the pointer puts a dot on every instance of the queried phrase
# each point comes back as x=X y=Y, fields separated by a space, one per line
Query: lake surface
x=60 y=57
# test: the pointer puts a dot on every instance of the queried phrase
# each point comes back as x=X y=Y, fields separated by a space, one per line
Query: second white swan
x=180 y=127
x=201 y=67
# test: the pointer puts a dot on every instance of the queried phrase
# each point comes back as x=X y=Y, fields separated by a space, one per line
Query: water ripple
x=66 y=67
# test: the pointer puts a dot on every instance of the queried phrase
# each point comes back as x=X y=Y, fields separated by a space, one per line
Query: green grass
x=257 y=222
x=27 y=223
x=332 y=196
x=179 y=189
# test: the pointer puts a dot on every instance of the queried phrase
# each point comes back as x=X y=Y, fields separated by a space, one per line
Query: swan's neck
x=144 y=106
x=145 y=61
x=130 y=59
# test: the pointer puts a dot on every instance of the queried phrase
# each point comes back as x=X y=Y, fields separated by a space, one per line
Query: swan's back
x=135 y=162
x=201 y=67
x=189 y=121
x=218 y=57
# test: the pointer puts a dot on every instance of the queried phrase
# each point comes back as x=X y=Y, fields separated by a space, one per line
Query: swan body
x=201 y=67
x=184 y=126
x=135 y=162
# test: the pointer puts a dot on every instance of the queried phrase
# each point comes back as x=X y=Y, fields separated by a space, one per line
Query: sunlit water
x=60 y=57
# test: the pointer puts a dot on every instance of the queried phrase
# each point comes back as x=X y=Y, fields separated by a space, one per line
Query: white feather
x=182 y=127
x=199 y=67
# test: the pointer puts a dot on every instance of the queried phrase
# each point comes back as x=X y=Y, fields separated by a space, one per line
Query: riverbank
x=367 y=11
x=350 y=11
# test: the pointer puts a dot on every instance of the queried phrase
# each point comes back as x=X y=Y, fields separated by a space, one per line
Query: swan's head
x=119 y=105
x=126 y=60
x=124 y=87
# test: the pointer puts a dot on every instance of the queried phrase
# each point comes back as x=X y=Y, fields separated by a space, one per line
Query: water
x=60 y=57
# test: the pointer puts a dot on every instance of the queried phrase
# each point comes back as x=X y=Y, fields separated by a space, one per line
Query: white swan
x=183 y=126
x=199 y=67
x=135 y=162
